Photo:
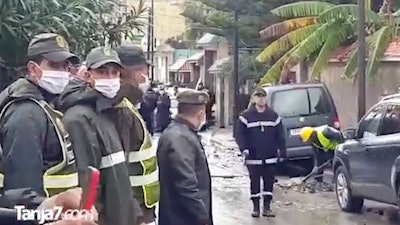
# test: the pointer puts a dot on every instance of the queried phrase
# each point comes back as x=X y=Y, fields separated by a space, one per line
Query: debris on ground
x=311 y=186
x=393 y=215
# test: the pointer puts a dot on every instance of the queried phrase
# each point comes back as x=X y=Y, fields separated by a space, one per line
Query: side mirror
x=349 y=133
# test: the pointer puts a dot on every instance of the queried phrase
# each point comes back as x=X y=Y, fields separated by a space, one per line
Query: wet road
x=231 y=203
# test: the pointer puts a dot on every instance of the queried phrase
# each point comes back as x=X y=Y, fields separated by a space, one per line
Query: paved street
x=232 y=205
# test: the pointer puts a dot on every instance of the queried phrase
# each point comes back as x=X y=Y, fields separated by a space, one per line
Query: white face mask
x=108 y=87
x=145 y=85
x=54 y=81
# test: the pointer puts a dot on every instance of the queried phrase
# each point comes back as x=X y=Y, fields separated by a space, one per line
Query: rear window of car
x=300 y=102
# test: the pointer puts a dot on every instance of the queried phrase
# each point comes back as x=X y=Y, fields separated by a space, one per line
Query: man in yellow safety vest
x=324 y=140
x=141 y=155
x=36 y=150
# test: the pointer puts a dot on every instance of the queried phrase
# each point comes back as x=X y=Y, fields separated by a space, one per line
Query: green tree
x=249 y=68
x=312 y=30
x=216 y=17
x=84 y=23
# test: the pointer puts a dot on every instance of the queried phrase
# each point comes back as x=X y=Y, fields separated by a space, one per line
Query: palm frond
x=314 y=42
x=275 y=72
x=379 y=43
x=351 y=68
x=334 y=40
x=286 y=42
x=347 y=12
x=301 y=9
x=284 y=27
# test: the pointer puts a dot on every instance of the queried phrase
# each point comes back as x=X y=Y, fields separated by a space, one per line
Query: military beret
x=259 y=92
x=193 y=97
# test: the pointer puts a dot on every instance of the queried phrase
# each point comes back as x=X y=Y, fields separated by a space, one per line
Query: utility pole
x=361 y=59
x=152 y=40
x=235 y=74
x=149 y=37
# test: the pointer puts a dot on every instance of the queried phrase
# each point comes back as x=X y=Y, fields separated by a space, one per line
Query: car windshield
x=300 y=102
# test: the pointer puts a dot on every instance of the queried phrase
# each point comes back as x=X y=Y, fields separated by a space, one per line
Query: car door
x=362 y=173
x=383 y=151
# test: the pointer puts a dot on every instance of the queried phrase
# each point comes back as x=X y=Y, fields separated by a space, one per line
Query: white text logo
x=49 y=215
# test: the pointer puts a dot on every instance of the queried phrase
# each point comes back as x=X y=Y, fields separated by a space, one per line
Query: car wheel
x=398 y=200
x=346 y=200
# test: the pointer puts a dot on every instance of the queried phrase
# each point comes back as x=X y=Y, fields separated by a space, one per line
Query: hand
x=245 y=153
x=315 y=169
x=69 y=199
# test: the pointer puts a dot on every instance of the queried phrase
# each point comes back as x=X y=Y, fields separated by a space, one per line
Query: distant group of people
x=155 y=107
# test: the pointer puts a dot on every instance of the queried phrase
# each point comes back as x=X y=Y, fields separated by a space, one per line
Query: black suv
x=300 y=105
x=367 y=164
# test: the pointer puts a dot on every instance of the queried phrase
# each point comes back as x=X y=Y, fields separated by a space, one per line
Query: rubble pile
x=310 y=186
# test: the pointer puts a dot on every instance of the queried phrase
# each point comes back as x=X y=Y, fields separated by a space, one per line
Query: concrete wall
x=219 y=101
x=163 y=61
x=223 y=49
x=167 y=19
x=344 y=93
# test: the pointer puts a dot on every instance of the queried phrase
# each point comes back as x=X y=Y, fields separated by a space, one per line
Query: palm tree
x=314 y=30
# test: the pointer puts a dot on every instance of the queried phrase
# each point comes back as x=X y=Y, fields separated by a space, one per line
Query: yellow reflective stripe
x=54 y=181
x=61 y=181
x=142 y=180
x=137 y=156
x=325 y=142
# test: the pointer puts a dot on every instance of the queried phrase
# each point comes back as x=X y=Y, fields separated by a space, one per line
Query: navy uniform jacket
x=262 y=134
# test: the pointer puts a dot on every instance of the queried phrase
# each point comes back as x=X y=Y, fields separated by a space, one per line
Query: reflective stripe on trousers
x=265 y=193
x=260 y=161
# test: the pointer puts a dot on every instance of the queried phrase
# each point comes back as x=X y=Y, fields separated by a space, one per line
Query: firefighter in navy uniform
x=324 y=140
x=260 y=136
x=36 y=151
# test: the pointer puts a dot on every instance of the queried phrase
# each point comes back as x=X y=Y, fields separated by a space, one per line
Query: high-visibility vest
x=326 y=144
x=142 y=164
x=62 y=176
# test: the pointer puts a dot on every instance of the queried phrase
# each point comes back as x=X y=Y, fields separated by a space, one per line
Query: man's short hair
x=37 y=59
x=190 y=109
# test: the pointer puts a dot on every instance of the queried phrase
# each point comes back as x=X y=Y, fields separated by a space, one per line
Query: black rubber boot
x=256 y=208
x=267 y=212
